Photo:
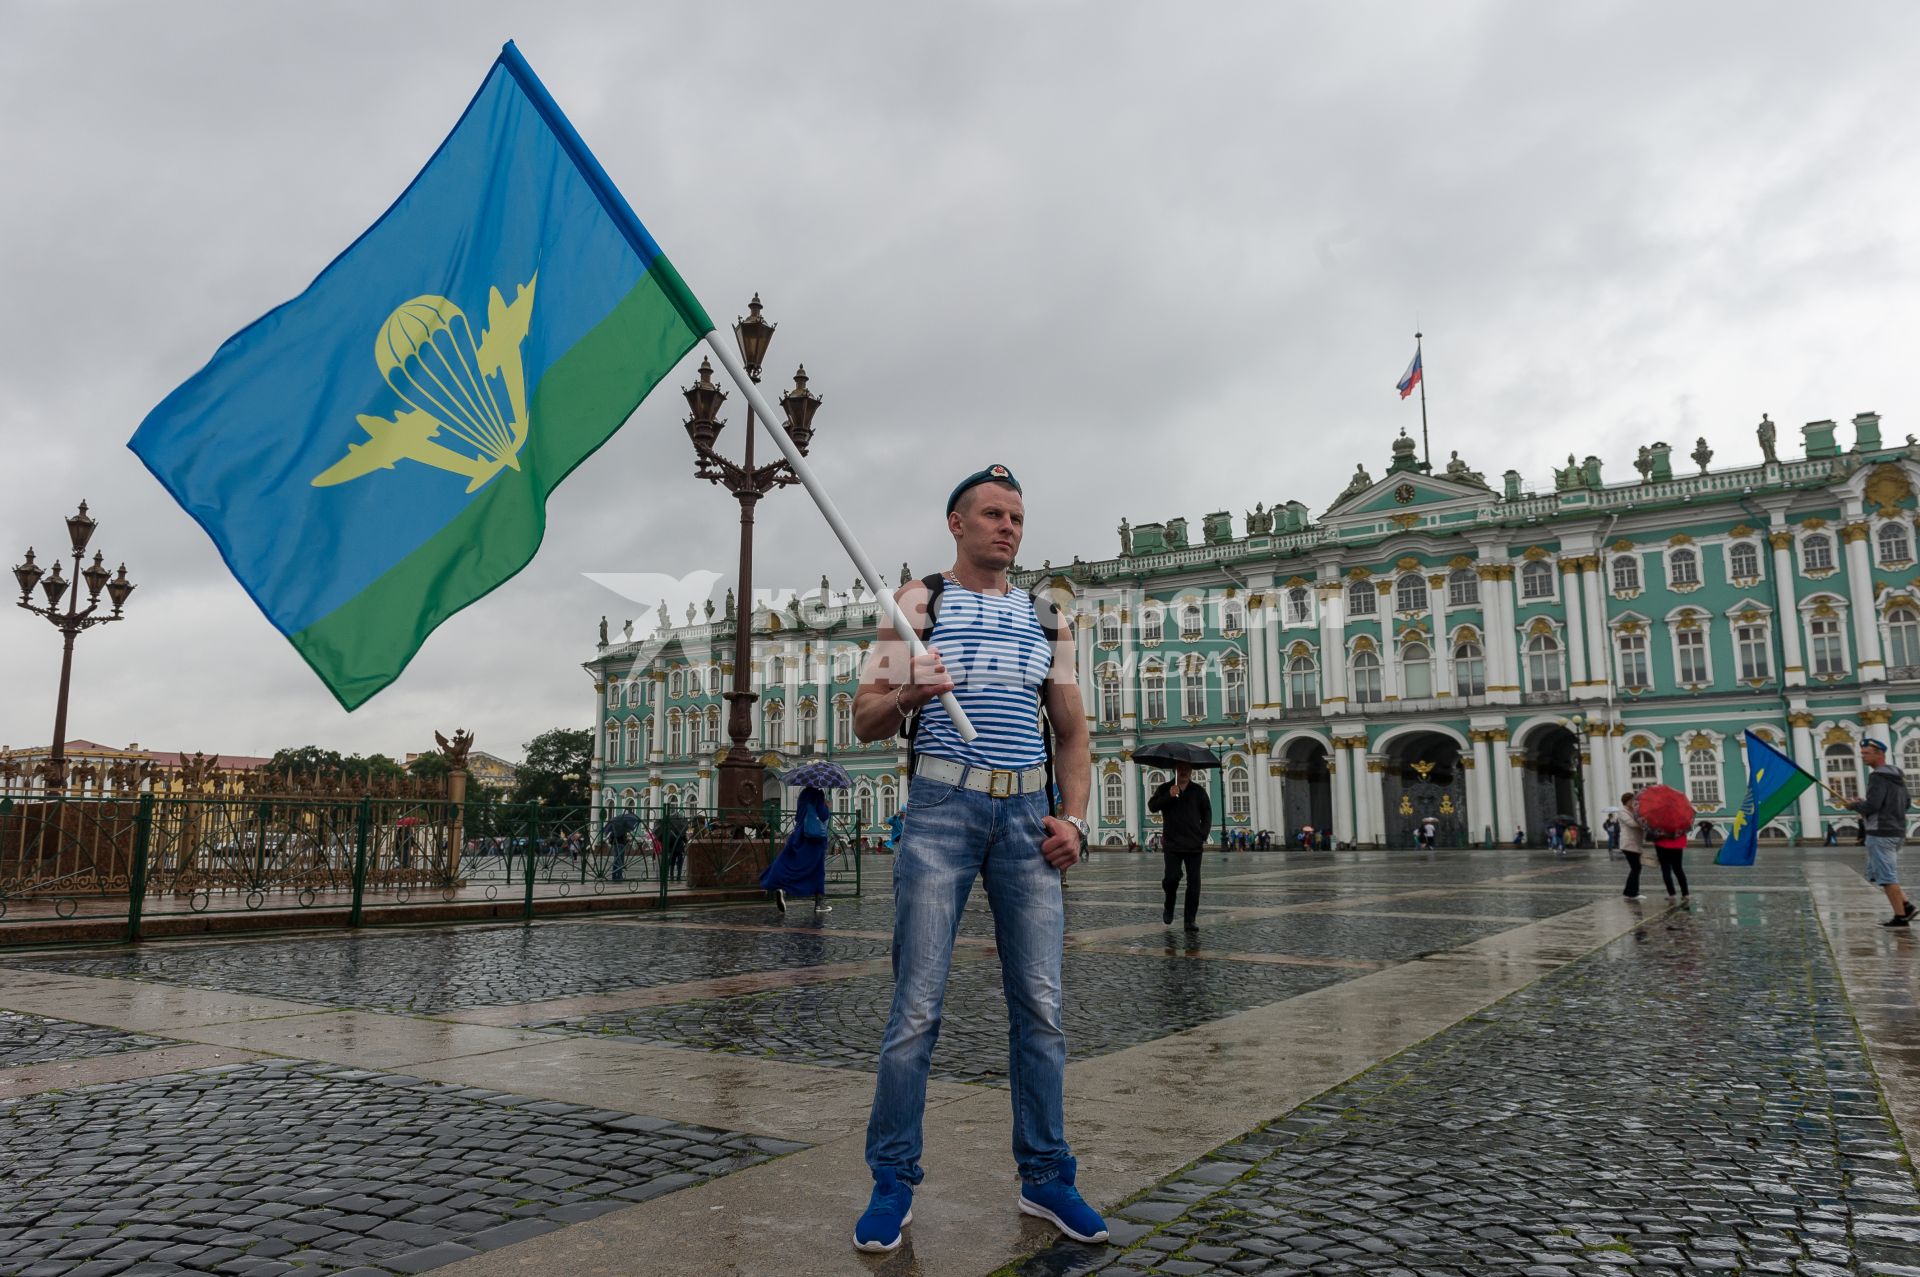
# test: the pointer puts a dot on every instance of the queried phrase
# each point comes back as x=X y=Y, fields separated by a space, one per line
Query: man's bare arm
x=1072 y=763
x=877 y=714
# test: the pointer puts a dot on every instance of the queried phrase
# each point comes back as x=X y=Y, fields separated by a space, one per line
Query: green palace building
x=1429 y=645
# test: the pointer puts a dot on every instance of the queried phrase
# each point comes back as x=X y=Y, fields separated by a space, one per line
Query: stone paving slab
x=453 y=967
x=1693 y=1098
x=37 y=1039
x=267 y=1169
x=1112 y=1001
x=1355 y=935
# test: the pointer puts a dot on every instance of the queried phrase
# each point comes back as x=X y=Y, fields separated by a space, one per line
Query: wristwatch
x=1081 y=825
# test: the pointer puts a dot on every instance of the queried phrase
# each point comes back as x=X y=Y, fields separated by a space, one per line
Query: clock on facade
x=1404 y=494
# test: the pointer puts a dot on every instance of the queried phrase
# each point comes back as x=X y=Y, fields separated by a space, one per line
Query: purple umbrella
x=819 y=774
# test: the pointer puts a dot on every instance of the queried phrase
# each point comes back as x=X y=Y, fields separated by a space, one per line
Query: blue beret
x=992 y=474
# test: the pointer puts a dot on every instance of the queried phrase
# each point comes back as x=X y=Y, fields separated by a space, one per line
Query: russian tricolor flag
x=1410 y=378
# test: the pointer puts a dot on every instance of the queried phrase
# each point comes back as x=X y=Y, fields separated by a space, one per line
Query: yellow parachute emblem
x=475 y=392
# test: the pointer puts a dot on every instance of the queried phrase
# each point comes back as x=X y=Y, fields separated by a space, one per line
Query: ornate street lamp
x=70 y=619
x=740 y=774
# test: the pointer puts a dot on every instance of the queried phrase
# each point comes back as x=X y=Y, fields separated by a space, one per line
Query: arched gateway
x=1424 y=779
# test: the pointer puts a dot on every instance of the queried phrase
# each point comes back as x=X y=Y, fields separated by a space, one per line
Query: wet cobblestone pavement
x=276 y=1168
x=446 y=969
x=1694 y=1098
x=1347 y=935
x=1112 y=1001
x=36 y=1039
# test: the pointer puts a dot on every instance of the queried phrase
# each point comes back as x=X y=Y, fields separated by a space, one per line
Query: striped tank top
x=998 y=657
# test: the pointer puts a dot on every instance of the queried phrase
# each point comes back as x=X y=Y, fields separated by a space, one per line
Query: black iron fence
x=140 y=855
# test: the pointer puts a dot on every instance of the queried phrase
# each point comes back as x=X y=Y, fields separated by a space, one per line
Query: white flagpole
x=730 y=360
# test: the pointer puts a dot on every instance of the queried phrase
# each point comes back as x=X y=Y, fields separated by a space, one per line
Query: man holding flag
x=1884 y=812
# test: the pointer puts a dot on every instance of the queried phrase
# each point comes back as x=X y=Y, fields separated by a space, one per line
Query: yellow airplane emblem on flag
x=451 y=385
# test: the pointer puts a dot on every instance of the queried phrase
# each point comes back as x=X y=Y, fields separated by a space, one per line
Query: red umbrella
x=408 y=820
x=1665 y=811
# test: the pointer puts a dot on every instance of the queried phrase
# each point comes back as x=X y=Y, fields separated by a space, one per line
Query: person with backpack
x=979 y=809
x=1883 y=814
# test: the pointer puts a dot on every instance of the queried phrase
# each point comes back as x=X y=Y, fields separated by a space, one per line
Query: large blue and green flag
x=377 y=453
x=1773 y=782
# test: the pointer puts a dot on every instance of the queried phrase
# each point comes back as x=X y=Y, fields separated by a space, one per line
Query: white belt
x=991 y=781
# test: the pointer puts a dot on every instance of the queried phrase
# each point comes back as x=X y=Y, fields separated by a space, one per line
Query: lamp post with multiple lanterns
x=741 y=774
x=70 y=618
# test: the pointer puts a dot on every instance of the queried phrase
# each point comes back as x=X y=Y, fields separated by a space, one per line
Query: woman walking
x=1631 y=841
x=801 y=866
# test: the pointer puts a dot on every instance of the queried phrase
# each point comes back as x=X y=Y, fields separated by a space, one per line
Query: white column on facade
x=1787 y=606
x=1480 y=813
x=1374 y=781
x=1270 y=639
x=1496 y=603
x=1593 y=596
x=1276 y=782
x=1808 y=804
x=1130 y=799
x=1866 y=619
x=1129 y=705
x=1365 y=832
x=1257 y=791
x=1571 y=602
x=657 y=700
x=1500 y=780
x=822 y=707
x=1442 y=646
x=706 y=788
x=790 y=691
x=1602 y=793
x=1333 y=648
x=1339 y=774
x=1389 y=646
x=1257 y=655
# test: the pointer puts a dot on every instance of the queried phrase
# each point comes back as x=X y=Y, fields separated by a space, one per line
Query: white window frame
x=1824 y=542
x=1362 y=592
x=1704 y=787
x=1408 y=661
x=1233 y=617
x=1751 y=638
x=1463 y=597
x=1153 y=691
x=1410 y=593
x=1303 y=670
x=1193 y=688
x=1470 y=671
x=1631 y=563
x=1299 y=605
x=1843 y=780
x=1239 y=793
x=1233 y=685
x=1909 y=628
x=1193 y=623
x=843 y=721
x=1759 y=560
x=1643 y=768
x=1818 y=645
x=1683 y=567
x=1107 y=678
x=1370 y=690
x=1153 y=624
x=1535 y=663
x=1113 y=798
x=1692 y=644
x=1630 y=649
x=1107 y=630
x=1905 y=534
x=1538 y=570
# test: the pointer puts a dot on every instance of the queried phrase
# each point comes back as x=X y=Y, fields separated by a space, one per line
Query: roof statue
x=1126 y=538
x=1360 y=482
x=1259 y=520
x=1765 y=430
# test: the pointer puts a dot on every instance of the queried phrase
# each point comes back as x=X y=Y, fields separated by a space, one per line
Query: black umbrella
x=622 y=824
x=1172 y=752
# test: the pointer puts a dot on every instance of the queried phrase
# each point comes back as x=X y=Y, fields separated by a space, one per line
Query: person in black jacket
x=1186 y=814
x=1883 y=817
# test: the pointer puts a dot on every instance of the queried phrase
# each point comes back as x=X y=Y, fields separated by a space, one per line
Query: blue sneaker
x=889 y=1211
x=1060 y=1203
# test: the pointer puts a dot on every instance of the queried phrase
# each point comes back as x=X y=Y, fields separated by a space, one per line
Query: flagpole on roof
x=1426 y=451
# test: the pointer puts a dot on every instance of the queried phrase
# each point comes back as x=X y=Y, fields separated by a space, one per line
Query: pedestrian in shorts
x=1883 y=815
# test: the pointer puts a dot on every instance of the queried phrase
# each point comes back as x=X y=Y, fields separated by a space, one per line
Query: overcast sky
x=1158 y=259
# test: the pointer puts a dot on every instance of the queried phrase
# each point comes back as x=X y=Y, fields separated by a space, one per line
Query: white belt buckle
x=997 y=779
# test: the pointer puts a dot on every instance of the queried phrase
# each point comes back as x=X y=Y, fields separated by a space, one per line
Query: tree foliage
x=557 y=769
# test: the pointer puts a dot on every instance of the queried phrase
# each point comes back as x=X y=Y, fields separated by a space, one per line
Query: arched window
x=842 y=801
x=807 y=722
x=1469 y=669
x=713 y=680
x=711 y=738
x=1703 y=779
x=1303 y=683
x=1299 y=605
x=1113 y=798
x=1753 y=644
x=1826 y=645
x=1635 y=674
x=676 y=733
x=612 y=747
x=1536 y=580
x=1235 y=686
x=776 y=671
x=863 y=800
x=1366 y=678
x=1842 y=770
x=670 y=796
x=1463 y=588
x=1816 y=553
x=1416 y=672
x=1626 y=573
x=1896 y=547
x=846 y=663
x=776 y=724
x=1910 y=755
x=676 y=682
x=1361 y=599
x=1108 y=630
x=1743 y=561
x=1153 y=623
x=1239 y=794
x=843 y=722
x=889 y=798
x=1543 y=664
x=1233 y=617
x=1643 y=769
x=1903 y=638
x=1109 y=695
x=627 y=801
x=1410 y=593
x=1193 y=689
x=1153 y=691
x=1192 y=623
x=633 y=743
x=1683 y=567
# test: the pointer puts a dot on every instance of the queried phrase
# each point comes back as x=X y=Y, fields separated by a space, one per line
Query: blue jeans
x=951 y=836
